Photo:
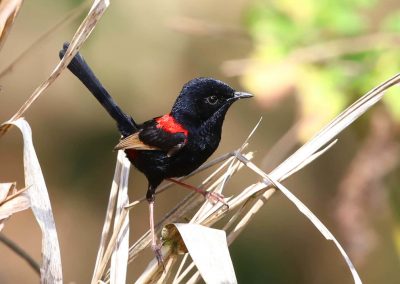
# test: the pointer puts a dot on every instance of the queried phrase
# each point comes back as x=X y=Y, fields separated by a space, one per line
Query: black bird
x=172 y=145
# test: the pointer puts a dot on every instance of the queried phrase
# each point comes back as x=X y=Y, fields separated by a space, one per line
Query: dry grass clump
x=207 y=247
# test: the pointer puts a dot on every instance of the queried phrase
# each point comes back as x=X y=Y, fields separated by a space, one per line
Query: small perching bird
x=172 y=145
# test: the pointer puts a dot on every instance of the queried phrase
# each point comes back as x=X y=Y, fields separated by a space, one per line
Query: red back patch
x=169 y=124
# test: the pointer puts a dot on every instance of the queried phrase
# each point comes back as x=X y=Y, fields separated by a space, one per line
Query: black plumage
x=172 y=145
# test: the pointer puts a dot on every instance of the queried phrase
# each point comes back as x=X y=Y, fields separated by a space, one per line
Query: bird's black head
x=202 y=99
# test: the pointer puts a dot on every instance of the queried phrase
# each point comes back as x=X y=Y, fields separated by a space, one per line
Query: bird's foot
x=215 y=197
x=157 y=252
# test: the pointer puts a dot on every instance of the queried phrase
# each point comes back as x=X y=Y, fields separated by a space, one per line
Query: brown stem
x=69 y=17
x=19 y=251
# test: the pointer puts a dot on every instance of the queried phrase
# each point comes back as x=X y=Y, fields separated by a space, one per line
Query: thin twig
x=22 y=253
x=167 y=185
x=186 y=205
x=196 y=219
x=180 y=268
x=71 y=15
x=78 y=39
x=184 y=273
x=12 y=196
x=252 y=198
x=282 y=147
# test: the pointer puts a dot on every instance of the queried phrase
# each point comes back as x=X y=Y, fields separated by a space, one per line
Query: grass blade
x=109 y=215
x=307 y=212
x=51 y=270
x=119 y=258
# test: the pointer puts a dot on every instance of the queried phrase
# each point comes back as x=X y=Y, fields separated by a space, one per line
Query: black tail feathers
x=82 y=71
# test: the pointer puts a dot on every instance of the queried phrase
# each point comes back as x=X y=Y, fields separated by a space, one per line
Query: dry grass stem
x=119 y=258
x=109 y=213
x=303 y=209
x=13 y=195
x=251 y=199
x=118 y=244
x=51 y=269
x=183 y=208
x=110 y=247
x=21 y=252
x=114 y=252
x=70 y=16
x=83 y=32
x=11 y=202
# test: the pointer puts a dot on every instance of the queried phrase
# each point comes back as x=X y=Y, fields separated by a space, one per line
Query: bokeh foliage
x=325 y=52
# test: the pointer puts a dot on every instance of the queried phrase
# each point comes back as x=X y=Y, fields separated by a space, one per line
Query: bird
x=174 y=144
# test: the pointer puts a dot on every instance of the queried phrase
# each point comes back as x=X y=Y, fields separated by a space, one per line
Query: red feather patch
x=169 y=124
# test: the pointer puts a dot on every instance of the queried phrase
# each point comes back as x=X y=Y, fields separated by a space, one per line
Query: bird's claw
x=215 y=197
x=157 y=252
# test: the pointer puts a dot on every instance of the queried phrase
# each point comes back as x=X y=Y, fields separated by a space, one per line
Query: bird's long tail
x=82 y=71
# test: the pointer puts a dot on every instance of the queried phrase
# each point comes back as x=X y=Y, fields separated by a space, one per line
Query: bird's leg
x=155 y=246
x=213 y=197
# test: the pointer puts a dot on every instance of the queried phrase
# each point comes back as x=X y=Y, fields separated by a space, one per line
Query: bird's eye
x=212 y=100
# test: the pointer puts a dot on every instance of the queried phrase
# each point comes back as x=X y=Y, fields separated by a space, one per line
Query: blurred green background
x=304 y=61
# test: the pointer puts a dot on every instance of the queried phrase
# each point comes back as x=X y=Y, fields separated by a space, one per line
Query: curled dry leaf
x=8 y=11
x=11 y=201
x=51 y=271
x=208 y=248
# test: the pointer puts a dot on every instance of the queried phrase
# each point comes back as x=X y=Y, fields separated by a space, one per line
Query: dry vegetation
x=209 y=254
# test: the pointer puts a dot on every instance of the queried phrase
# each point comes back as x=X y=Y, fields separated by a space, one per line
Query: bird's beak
x=241 y=95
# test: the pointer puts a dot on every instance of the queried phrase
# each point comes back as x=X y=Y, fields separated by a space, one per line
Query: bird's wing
x=133 y=142
x=152 y=136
